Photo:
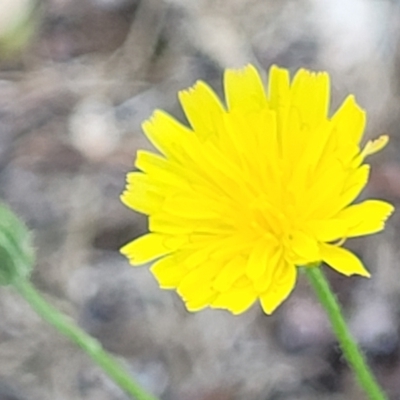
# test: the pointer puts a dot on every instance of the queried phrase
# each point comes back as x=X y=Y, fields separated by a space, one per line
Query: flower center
x=266 y=220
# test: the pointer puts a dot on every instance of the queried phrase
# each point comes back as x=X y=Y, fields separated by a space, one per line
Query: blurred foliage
x=16 y=250
x=19 y=20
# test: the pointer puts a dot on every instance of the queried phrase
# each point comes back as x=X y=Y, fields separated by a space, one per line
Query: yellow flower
x=252 y=190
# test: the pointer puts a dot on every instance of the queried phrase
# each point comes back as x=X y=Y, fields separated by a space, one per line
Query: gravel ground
x=71 y=105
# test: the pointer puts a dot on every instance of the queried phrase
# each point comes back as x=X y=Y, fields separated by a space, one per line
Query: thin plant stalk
x=351 y=351
x=90 y=345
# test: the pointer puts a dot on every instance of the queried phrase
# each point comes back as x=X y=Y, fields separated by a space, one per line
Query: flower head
x=252 y=189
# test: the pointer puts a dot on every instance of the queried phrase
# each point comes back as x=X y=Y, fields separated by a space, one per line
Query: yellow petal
x=217 y=167
x=168 y=135
x=292 y=137
x=236 y=300
x=349 y=122
x=138 y=181
x=310 y=96
x=342 y=260
x=166 y=224
x=259 y=258
x=327 y=230
x=230 y=273
x=373 y=146
x=350 y=190
x=279 y=97
x=280 y=288
x=146 y=248
x=366 y=218
x=275 y=263
x=279 y=87
x=200 y=252
x=151 y=163
x=203 y=109
x=230 y=247
x=312 y=157
x=317 y=201
x=244 y=89
x=165 y=170
x=168 y=272
x=201 y=299
x=353 y=186
x=191 y=207
x=266 y=154
x=160 y=170
x=305 y=246
x=142 y=199
x=198 y=279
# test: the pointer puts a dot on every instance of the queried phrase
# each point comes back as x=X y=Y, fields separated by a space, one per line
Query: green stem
x=90 y=345
x=350 y=349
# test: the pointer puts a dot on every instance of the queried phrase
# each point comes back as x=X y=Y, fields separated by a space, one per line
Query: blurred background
x=77 y=78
